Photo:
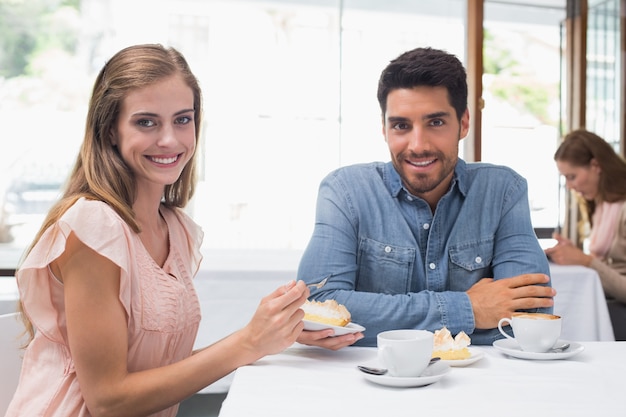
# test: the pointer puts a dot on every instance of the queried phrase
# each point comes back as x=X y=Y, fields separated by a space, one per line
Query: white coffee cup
x=405 y=353
x=534 y=332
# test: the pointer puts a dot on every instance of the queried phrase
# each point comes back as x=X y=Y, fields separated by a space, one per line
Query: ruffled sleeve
x=96 y=225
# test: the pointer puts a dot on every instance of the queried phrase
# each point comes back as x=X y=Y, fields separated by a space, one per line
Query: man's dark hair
x=425 y=67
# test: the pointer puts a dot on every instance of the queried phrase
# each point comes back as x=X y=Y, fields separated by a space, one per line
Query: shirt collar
x=394 y=182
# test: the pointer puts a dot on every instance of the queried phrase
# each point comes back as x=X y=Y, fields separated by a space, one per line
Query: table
x=306 y=381
x=581 y=302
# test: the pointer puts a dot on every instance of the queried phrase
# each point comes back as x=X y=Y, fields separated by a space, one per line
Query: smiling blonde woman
x=107 y=284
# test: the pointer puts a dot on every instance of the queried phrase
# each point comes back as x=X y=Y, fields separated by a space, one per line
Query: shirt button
x=426 y=226
x=478 y=260
x=409 y=198
x=387 y=249
x=432 y=265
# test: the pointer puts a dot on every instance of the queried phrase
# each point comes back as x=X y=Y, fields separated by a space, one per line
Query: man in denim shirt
x=426 y=240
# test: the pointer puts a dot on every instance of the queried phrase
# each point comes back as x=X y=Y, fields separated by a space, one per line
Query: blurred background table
x=581 y=302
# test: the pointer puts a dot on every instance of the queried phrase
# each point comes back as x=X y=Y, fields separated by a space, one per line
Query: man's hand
x=492 y=300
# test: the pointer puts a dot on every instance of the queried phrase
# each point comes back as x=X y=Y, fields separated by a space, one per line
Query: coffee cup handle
x=505 y=334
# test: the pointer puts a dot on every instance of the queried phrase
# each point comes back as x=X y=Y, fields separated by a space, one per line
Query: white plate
x=511 y=348
x=348 y=328
x=475 y=356
x=431 y=375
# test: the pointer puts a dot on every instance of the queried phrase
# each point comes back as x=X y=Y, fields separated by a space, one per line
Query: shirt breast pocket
x=384 y=268
x=469 y=262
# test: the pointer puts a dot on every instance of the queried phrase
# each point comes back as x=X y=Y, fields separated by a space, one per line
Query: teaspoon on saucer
x=559 y=349
x=383 y=371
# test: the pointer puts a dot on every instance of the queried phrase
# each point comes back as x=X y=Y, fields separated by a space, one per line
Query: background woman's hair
x=578 y=148
x=425 y=67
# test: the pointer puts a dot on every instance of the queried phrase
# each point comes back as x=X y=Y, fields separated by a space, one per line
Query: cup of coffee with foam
x=534 y=332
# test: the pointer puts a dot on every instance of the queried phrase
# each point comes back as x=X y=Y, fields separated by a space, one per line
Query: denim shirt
x=394 y=264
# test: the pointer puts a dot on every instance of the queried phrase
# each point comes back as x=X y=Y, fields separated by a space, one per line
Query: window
x=604 y=86
x=289 y=91
x=521 y=85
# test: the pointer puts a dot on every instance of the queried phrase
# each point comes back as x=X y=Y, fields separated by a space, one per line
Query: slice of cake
x=448 y=348
x=327 y=312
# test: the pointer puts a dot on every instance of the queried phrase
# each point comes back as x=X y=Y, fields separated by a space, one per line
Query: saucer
x=511 y=348
x=348 y=328
x=475 y=356
x=432 y=374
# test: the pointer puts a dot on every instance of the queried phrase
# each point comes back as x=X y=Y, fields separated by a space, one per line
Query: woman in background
x=597 y=173
x=107 y=283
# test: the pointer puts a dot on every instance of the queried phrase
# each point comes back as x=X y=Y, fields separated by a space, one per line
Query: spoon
x=559 y=349
x=383 y=371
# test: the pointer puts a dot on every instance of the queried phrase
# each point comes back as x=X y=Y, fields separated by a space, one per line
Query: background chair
x=11 y=332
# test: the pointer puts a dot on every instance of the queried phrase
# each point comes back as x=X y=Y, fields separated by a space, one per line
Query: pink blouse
x=161 y=305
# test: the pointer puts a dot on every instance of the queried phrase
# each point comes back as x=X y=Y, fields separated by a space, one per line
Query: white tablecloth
x=307 y=382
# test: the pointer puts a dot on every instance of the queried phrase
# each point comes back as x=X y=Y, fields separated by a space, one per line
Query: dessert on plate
x=451 y=348
x=327 y=312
